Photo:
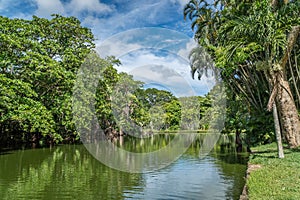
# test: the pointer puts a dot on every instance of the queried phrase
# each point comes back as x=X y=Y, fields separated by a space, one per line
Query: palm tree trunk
x=289 y=113
x=286 y=104
x=277 y=131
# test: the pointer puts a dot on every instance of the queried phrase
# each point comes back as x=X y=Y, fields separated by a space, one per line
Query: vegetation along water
x=254 y=46
x=71 y=172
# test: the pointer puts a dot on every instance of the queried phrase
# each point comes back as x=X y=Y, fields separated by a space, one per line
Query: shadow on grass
x=295 y=150
x=264 y=156
x=4 y=152
x=272 y=153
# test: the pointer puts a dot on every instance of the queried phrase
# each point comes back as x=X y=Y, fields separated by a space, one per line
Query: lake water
x=70 y=172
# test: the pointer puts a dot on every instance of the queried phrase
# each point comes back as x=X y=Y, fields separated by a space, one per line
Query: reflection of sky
x=187 y=178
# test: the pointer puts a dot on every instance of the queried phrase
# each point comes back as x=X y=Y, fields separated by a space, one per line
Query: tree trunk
x=277 y=131
x=288 y=112
x=238 y=141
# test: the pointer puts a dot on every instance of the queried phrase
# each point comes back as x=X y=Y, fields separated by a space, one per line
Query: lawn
x=275 y=178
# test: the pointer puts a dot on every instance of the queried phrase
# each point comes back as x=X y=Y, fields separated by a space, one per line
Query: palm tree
x=201 y=62
x=252 y=37
x=260 y=36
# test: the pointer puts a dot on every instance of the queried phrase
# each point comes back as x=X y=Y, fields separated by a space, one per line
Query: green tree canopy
x=44 y=55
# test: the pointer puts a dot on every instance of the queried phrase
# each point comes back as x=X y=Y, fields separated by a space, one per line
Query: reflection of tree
x=71 y=172
x=67 y=171
x=143 y=145
x=231 y=165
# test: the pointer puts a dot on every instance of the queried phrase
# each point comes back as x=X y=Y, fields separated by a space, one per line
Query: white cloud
x=105 y=19
x=116 y=48
x=78 y=6
x=164 y=77
x=184 y=52
x=139 y=14
x=74 y=7
x=161 y=39
x=169 y=70
x=46 y=8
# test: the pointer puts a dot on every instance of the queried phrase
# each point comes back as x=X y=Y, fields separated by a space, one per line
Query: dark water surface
x=70 y=172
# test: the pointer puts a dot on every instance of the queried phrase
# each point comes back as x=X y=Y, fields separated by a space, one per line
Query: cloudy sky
x=150 y=37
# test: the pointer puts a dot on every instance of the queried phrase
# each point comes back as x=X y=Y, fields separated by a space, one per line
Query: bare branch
x=272 y=98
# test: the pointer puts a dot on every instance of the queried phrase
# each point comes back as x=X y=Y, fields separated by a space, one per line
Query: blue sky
x=112 y=21
x=105 y=17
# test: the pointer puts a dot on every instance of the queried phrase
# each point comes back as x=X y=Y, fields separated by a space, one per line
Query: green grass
x=277 y=178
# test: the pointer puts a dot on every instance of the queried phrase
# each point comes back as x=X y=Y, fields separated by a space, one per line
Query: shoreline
x=250 y=168
x=268 y=177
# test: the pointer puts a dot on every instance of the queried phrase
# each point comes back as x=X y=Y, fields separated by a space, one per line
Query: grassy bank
x=274 y=178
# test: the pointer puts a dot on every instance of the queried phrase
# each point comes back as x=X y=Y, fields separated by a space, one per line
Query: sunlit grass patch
x=277 y=178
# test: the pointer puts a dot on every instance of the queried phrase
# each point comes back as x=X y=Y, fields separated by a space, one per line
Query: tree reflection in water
x=70 y=172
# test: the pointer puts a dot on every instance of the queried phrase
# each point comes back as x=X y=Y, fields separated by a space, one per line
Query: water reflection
x=139 y=154
x=66 y=172
x=70 y=172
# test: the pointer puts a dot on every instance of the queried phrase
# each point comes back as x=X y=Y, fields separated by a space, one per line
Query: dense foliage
x=40 y=60
x=38 y=63
x=255 y=46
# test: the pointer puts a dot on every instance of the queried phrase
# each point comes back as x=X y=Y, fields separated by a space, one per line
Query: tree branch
x=272 y=98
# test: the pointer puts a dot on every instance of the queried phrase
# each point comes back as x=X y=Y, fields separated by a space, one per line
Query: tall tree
x=248 y=36
x=45 y=55
x=265 y=36
x=22 y=116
